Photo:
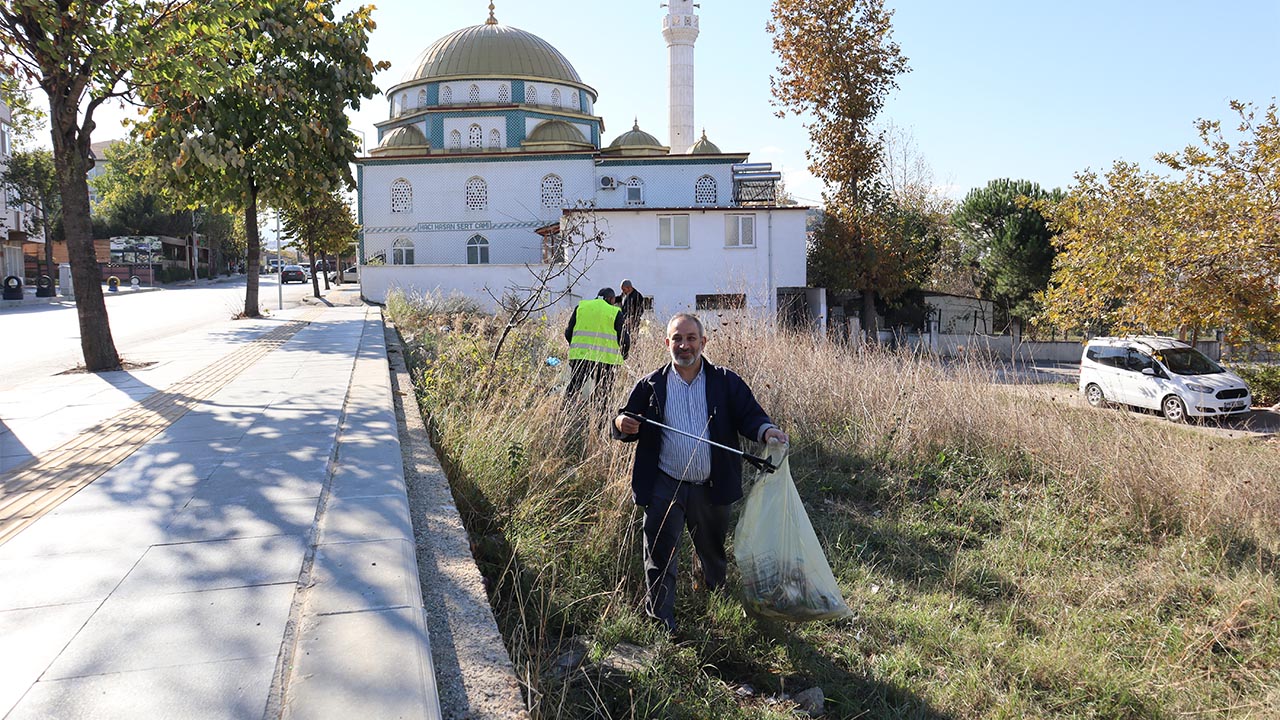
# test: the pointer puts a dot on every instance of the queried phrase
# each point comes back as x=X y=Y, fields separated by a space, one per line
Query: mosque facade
x=493 y=166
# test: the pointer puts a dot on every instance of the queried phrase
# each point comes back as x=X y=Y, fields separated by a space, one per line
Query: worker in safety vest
x=595 y=344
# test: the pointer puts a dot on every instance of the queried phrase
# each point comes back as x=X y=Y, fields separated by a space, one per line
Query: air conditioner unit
x=608 y=183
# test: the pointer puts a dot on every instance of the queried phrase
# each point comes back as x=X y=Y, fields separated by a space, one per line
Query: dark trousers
x=580 y=370
x=677 y=505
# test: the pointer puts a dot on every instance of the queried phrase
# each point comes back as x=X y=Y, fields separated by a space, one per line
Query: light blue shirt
x=683 y=457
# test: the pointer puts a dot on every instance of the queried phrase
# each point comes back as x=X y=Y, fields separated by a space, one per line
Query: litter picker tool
x=760 y=463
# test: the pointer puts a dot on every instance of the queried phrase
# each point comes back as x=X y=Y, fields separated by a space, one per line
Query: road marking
x=30 y=491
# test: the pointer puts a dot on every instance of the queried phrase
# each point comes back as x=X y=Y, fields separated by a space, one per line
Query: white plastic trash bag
x=785 y=574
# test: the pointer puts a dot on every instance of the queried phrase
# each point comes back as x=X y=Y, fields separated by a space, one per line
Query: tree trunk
x=48 y=246
x=868 y=315
x=253 y=248
x=70 y=150
x=311 y=258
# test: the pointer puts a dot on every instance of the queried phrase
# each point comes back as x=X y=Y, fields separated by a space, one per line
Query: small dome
x=636 y=142
x=404 y=140
x=556 y=135
x=491 y=50
x=704 y=147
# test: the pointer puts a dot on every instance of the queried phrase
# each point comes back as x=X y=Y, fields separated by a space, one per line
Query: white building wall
x=475 y=282
x=665 y=185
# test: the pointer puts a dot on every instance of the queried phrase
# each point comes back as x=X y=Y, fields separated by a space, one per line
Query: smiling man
x=679 y=481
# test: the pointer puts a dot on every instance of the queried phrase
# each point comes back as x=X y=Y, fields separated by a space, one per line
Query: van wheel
x=1174 y=409
x=1093 y=394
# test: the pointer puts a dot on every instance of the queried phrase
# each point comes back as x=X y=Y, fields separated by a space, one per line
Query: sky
x=1029 y=90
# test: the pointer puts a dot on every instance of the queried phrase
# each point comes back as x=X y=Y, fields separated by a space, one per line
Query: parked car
x=349 y=274
x=1160 y=373
x=291 y=273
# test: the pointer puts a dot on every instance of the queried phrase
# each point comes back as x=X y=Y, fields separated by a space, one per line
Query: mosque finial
x=492 y=20
x=635 y=124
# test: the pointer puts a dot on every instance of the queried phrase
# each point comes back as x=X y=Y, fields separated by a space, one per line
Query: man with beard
x=679 y=481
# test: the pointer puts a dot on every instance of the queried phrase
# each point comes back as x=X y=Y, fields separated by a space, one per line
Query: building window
x=704 y=191
x=673 y=231
x=635 y=191
x=455 y=140
x=402 y=251
x=422 y=98
x=577 y=100
x=495 y=139
x=739 y=230
x=477 y=194
x=504 y=93
x=555 y=97
x=477 y=250
x=446 y=95
x=530 y=95
x=552 y=192
x=724 y=301
x=473 y=94
x=475 y=136
x=401 y=196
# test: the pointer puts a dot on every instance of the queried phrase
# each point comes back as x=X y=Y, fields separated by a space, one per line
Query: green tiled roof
x=405 y=136
x=492 y=50
x=556 y=131
x=704 y=146
x=635 y=137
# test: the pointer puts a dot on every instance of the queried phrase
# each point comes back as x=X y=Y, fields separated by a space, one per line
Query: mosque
x=493 y=166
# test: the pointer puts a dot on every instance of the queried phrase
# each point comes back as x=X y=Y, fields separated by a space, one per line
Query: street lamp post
x=279 y=267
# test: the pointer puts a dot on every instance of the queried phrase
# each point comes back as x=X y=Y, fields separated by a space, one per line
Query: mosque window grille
x=422 y=98
x=455 y=140
x=530 y=95
x=475 y=137
x=575 y=98
x=477 y=193
x=555 y=97
x=402 y=251
x=478 y=250
x=401 y=196
x=473 y=93
x=495 y=139
x=552 y=192
x=704 y=191
x=635 y=191
x=446 y=95
x=504 y=93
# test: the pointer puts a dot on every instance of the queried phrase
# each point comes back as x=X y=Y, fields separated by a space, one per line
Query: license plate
x=1231 y=406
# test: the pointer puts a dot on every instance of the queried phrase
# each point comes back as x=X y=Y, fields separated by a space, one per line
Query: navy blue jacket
x=733 y=410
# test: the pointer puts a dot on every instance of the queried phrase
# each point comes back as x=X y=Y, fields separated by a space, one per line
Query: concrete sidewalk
x=223 y=534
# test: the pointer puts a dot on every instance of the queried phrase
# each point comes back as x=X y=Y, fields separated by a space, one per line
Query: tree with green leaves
x=83 y=54
x=276 y=134
x=319 y=224
x=1193 y=249
x=30 y=179
x=1005 y=234
x=837 y=63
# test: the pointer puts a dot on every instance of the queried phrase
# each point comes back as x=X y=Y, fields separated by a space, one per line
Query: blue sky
x=1030 y=90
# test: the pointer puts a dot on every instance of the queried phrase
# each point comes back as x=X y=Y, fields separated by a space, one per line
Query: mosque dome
x=492 y=49
x=556 y=135
x=405 y=139
x=636 y=142
x=704 y=147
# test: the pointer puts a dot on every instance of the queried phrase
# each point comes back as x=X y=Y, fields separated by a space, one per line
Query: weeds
x=1007 y=556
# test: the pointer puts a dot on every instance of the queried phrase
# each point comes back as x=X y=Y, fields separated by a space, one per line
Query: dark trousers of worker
x=674 y=507
x=580 y=370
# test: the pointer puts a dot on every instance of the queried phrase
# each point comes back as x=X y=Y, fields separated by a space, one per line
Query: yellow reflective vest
x=594 y=337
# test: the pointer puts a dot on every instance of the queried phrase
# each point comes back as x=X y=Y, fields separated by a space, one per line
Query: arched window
x=704 y=191
x=635 y=191
x=477 y=250
x=446 y=95
x=475 y=136
x=477 y=194
x=504 y=93
x=495 y=139
x=401 y=196
x=531 y=95
x=552 y=192
x=455 y=140
x=555 y=97
x=422 y=98
x=473 y=93
x=576 y=99
x=402 y=251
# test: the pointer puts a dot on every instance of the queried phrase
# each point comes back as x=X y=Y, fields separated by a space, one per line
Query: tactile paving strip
x=32 y=490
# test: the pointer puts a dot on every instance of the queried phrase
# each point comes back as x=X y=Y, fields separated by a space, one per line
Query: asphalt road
x=40 y=340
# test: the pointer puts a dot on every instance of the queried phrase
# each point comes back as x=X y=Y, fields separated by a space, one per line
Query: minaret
x=680 y=28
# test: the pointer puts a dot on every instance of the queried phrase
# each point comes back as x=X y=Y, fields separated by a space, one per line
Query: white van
x=1160 y=373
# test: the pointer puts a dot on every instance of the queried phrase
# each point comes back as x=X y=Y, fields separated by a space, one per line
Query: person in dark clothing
x=632 y=306
x=595 y=337
x=681 y=482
